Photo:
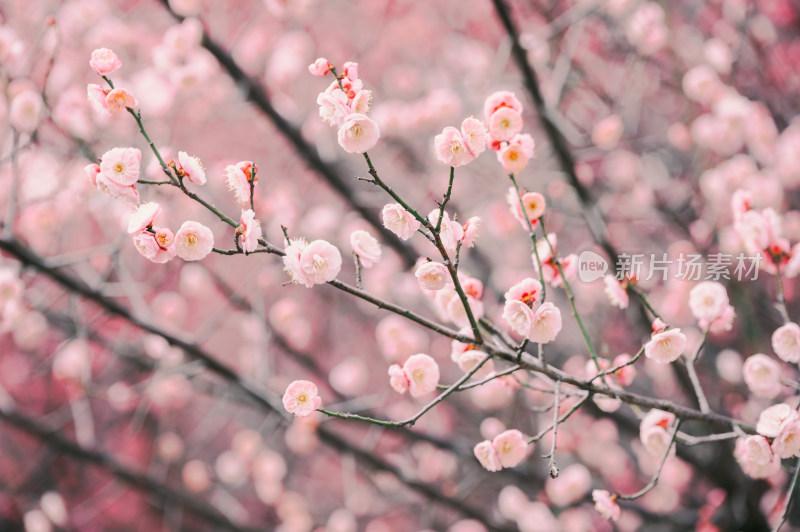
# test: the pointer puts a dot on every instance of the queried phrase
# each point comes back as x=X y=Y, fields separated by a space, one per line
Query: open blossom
x=193 y=241
x=451 y=148
x=666 y=346
x=191 y=168
x=708 y=300
x=616 y=294
x=471 y=231
x=333 y=107
x=154 y=249
x=237 y=177
x=250 y=230
x=754 y=455
x=143 y=217
x=450 y=231
x=511 y=447
x=104 y=61
x=498 y=100
x=546 y=324
x=97 y=98
x=432 y=275
x=787 y=441
x=518 y=316
x=358 y=133
x=487 y=456
x=533 y=202
x=423 y=374
x=121 y=165
x=762 y=375
x=606 y=504
x=514 y=155
x=301 y=398
x=527 y=290
x=398 y=379
x=114 y=190
x=366 y=247
x=120 y=99
x=504 y=124
x=473 y=131
x=654 y=431
x=786 y=342
x=320 y=262
x=320 y=67
x=314 y=263
x=399 y=221
x=773 y=419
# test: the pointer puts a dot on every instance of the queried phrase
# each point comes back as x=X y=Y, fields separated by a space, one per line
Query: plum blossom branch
x=445 y=200
x=698 y=388
x=561 y=419
x=413 y=419
x=55 y=439
x=552 y=466
x=789 y=496
x=532 y=234
x=654 y=482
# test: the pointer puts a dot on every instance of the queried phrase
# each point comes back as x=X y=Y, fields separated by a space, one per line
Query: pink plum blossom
x=762 y=375
x=398 y=379
x=654 y=431
x=432 y=275
x=147 y=244
x=193 y=241
x=191 y=168
x=487 y=456
x=527 y=291
x=121 y=165
x=237 y=177
x=666 y=346
x=91 y=172
x=473 y=132
x=606 y=504
x=301 y=398
x=320 y=67
x=499 y=100
x=97 y=98
x=114 y=190
x=772 y=420
x=755 y=456
x=471 y=231
x=786 y=342
x=451 y=148
x=104 y=61
x=546 y=324
x=399 y=221
x=617 y=295
x=117 y=100
x=366 y=247
x=423 y=374
x=358 y=133
x=511 y=447
x=787 y=442
x=250 y=230
x=504 y=124
x=143 y=217
x=708 y=300
x=321 y=262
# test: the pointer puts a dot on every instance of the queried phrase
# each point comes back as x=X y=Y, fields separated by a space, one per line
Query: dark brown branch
x=54 y=439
